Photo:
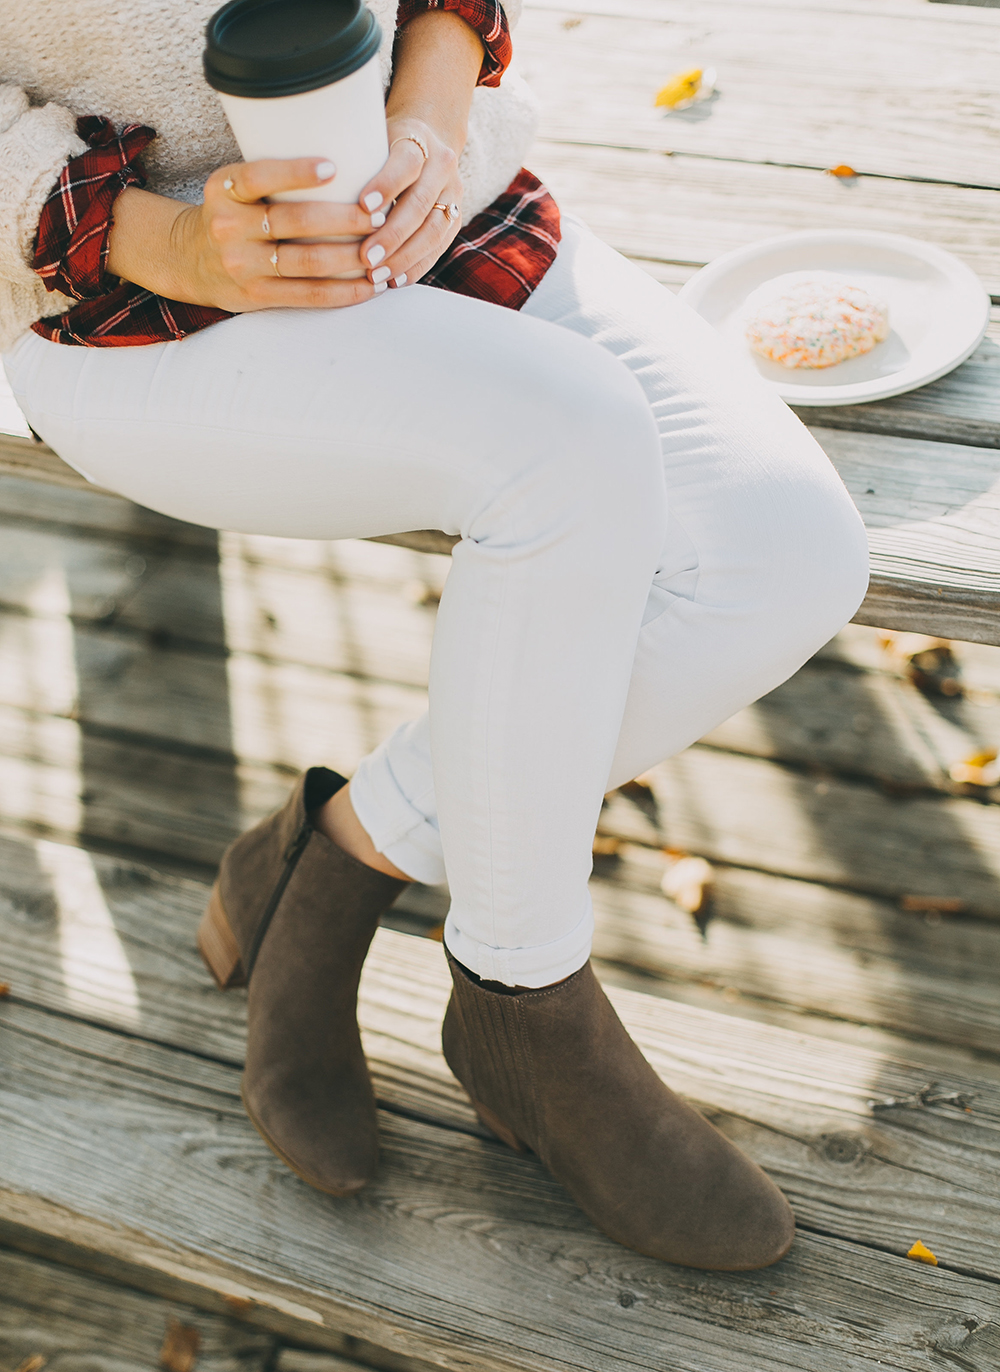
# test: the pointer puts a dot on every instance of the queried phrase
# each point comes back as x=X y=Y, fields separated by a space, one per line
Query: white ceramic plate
x=938 y=310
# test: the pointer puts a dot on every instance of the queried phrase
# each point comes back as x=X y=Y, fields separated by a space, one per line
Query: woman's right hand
x=220 y=253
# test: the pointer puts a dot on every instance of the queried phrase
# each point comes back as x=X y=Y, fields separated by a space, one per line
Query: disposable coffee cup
x=300 y=78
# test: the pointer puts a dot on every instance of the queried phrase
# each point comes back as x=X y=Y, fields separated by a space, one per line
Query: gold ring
x=274 y=262
x=227 y=185
x=411 y=138
x=451 y=212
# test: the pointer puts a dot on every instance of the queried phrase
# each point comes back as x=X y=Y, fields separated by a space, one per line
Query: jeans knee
x=591 y=458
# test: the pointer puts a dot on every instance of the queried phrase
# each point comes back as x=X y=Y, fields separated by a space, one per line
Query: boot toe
x=329 y=1152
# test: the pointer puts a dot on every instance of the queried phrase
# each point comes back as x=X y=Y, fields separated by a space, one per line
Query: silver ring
x=266 y=226
x=274 y=262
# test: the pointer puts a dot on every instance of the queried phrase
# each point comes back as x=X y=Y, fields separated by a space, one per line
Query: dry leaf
x=436 y=933
x=920 y=1253
x=686 y=87
x=936 y=671
x=34 y=1363
x=573 y=23
x=606 y=845
x=981 y=769
x=4 y=989
x=687 y=881
x=180 y=1347
x=841 y=169
x=239 y=1305
x=942 y=905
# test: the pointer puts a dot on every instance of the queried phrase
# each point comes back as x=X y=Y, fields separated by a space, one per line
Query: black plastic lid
x=265 y=48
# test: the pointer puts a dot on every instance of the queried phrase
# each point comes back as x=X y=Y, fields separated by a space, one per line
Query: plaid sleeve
x=71 y=248
x=485 y=16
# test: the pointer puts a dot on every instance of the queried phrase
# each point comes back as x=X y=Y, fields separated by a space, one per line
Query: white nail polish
x=399 y=280
x=375 y=255
x=372 y=200
x=381 y=274
x=378 y=219
x=382 y=286
x=324 y=170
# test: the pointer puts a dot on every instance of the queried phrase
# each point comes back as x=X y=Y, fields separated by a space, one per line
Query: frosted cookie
x=813 y=319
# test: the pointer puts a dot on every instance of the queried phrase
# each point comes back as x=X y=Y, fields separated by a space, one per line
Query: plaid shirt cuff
x=485 y=16
x=71 y=249
x=502 y=254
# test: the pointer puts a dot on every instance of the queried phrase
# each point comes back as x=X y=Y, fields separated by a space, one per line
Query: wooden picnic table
x=208 y=669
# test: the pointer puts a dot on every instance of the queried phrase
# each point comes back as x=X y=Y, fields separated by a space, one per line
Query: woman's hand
x=222 y=253
x=417 y=230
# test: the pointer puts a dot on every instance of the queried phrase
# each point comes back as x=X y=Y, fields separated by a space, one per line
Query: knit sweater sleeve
x=35 y=143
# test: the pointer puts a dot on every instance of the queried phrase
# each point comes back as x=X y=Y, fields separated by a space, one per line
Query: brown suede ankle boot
x=293 y=915
x=556 y=1071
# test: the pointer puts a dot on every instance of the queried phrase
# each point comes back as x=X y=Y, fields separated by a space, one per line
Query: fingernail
x=381 y=274
x=399 y=280
x=375 y=255
x=324 y=170
x=382 y=286
x=378 y=219
x=372 y=200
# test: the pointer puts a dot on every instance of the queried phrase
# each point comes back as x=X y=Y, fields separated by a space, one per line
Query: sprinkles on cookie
x=813 y=319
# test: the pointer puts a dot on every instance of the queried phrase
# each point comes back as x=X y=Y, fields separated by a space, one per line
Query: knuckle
x=319 y=294
x=231 y=258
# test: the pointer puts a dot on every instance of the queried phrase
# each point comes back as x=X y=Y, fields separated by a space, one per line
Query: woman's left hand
x=415 y=233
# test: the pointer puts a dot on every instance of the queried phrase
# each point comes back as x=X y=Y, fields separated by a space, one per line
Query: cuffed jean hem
x=539 y=965
x=396 y=826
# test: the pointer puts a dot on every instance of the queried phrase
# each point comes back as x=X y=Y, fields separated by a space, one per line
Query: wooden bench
x=124 y=1151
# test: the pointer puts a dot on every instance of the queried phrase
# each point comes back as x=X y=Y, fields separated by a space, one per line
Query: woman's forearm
x=436 y=65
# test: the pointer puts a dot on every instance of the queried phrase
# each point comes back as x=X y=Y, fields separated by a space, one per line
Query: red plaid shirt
x=501 y=255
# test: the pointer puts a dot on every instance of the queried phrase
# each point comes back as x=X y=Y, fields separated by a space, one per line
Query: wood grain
x=797 y=87
x=124 y=958
x=79 y=1323
x=445 y=1255
x=690 y=210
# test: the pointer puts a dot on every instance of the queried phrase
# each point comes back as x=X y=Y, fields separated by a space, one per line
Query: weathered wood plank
x=685 y=209
x=284 y=713
x=67 y=780
x=932 y=511
x=865 y=724
x=963 y=407
x=79 y=1323
x=105 y=946
x=769 y=940
x=747 y=812
x=445 y=1255
x=797 y=87
x=805 y=946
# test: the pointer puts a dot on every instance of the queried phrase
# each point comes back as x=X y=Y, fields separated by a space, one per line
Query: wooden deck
x=837 y=1008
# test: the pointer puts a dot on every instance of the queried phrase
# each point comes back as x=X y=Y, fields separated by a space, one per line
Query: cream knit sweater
x=140 y=61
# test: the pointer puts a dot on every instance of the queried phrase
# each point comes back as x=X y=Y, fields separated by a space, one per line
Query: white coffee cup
x=300 y=78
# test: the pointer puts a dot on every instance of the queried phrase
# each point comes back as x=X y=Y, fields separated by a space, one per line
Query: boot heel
x=218 y=947
x=497 y=1126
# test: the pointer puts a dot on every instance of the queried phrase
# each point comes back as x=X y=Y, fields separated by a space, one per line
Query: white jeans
x=650 y=541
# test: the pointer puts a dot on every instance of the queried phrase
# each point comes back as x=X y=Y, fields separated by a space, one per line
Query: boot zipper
x=291 y=857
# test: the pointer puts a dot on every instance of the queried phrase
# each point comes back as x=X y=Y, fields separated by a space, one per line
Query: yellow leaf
x=841 y=169
x=4 y=989
x=920 y=1253
x=980 y=769
x=34 y=1363
x=682 y=86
